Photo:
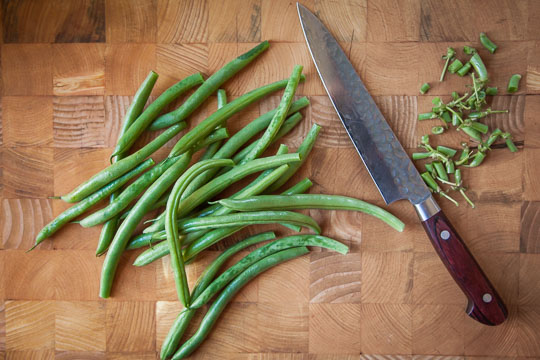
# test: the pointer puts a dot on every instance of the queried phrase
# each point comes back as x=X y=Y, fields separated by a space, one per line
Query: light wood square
x=27 y=121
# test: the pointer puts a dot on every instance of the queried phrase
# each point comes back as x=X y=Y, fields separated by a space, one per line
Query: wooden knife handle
x=485 y=305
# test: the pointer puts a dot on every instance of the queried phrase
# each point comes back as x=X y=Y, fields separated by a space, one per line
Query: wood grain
x=530 y=231
x=29 y=325
x=89 y=332
x=438 y=329
x=122 y=317
x=21 y=220
x=131 y=21
x=27 y=69
x=182 y=21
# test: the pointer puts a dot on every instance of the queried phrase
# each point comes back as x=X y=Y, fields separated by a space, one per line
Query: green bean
x=441 y=171
x=279 y=117
x=162 y=202
x=208 y=88
x=424 y=88
x=304 y=149
x=469 y=50
x=298 y=188
x=222 y=182
x=513 y=83
x=135 y=109
x=446 y=117
x=127 y=227
x=216 y=136
x=478 y=65
x=450 y=53
x=223 y=299
x=437 y=130
x=172 y=340
x=446 y=150
x=214 y=147
x=248 y=218
x=153 y=110
x=128 y=195
x=465 y=69
x=488 y=44
x=477 y=159
x=240 y=138
x=311 y=201
x=483 y=128
x=261 y=253
x=171 y=227
x=79 y=208
x=288 y=125
x=450 y=167
x=428 y=179
x=455 y=66
x=429 y=167
x=120 y=167
x=220 y=116
x=509 y=143
x=492 y=91
x=473 y=133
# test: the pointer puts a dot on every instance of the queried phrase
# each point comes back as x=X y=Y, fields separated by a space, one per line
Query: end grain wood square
x=182 y=21
x=122 y=318
x=133 y=282
x=131 y=21
x=79 y=121
x=176 y=62
x=80 y=326
x=71 y=236
x=492 y=340
x=126 y=67
x=530 y=227
x=27 y=69
x=28 y=172
x=76 y=166
x=401 y=113
x=280 y=20
x=532 y=121
x=79 y=69
x=432 y=283
x=341 y=319
x=387 y=277
x=41 y=354
x=352 y=178
x=533 y=68
x=234 y=21
x=529 y=279
x=72 y=266
x=438 y=329
x=29 y=325
x=531 y=180
x=31 y=275
x=21 y=220
x=27 y=121
x=283 y=327
x=464 y=20
x=511 y=59
x=286 y=283
x=335 y=278
x=393 y=20
x=352 y=15
x=386 y=328
x=514 y=120
x=333 y=133
x=166 y=314
x=529 y=331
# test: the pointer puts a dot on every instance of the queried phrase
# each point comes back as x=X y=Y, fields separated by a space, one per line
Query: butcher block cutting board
x=69 y=70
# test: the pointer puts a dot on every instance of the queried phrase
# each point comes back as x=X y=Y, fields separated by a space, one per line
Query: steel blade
x=384 y=157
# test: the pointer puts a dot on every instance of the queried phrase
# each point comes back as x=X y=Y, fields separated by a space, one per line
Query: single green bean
x=135 y=109
x=427 y=116
x=120 y=167
x=446 y=150
x=441 y=171
x=478 y=65
x=171 y=227
x=205 y=127
x=428 y=179
x=279 y=117
x=127 y=227
x=298 y=188
x=437 y=130
x=240 y=138
x=223 y=299
x=153 y=110
x=473 y=133
x=209 y=87
x=271 y=248
x=483 y=128
x=311 y=201
x=172 y=340
x=469 y=50
x=513 y=83
x=488 y=44
x=492 y=91
x=429 y=167
x=79 y=208
x=450 y=167
x=128 y=195
x=162 y=202
x=424 y=88
x=304 y=149
x=465 y=69
x=214 y=147
x=477 y=159
x=216 y=136
x=222 y=182
x=455 y=66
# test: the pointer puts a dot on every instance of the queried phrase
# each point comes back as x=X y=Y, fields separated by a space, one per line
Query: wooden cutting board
x=69 y=70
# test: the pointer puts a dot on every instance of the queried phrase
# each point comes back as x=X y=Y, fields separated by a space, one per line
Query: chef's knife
x=392 y=170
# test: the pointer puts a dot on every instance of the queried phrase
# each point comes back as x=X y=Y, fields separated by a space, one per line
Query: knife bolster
x=427 y=208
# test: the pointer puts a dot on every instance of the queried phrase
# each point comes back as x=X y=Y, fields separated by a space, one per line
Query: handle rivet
x=487 y=298
x=445 y=234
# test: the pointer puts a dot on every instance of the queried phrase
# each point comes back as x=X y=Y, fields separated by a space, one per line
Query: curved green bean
x=488 y=44
x=120 y=167
x=135 y=109
x=242 y=136
x=136 y=214
x=279 y=116
x=304 y=149
x=478 y=65
x=208 y=88
x=171 y=227
x=128 y=195
x=172 y=340
x=513 y=83
x=312 y=201
x=223 y=299
x=88 y=202
x=153 y=110
x=262 y=252
x=300 y=187
x=222 y=182
x=220 y=116
x=216 y=136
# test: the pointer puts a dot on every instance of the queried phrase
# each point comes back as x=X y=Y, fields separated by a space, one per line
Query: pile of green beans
x=185 y=182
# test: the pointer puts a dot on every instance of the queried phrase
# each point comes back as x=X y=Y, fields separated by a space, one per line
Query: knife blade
x=391 y=168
